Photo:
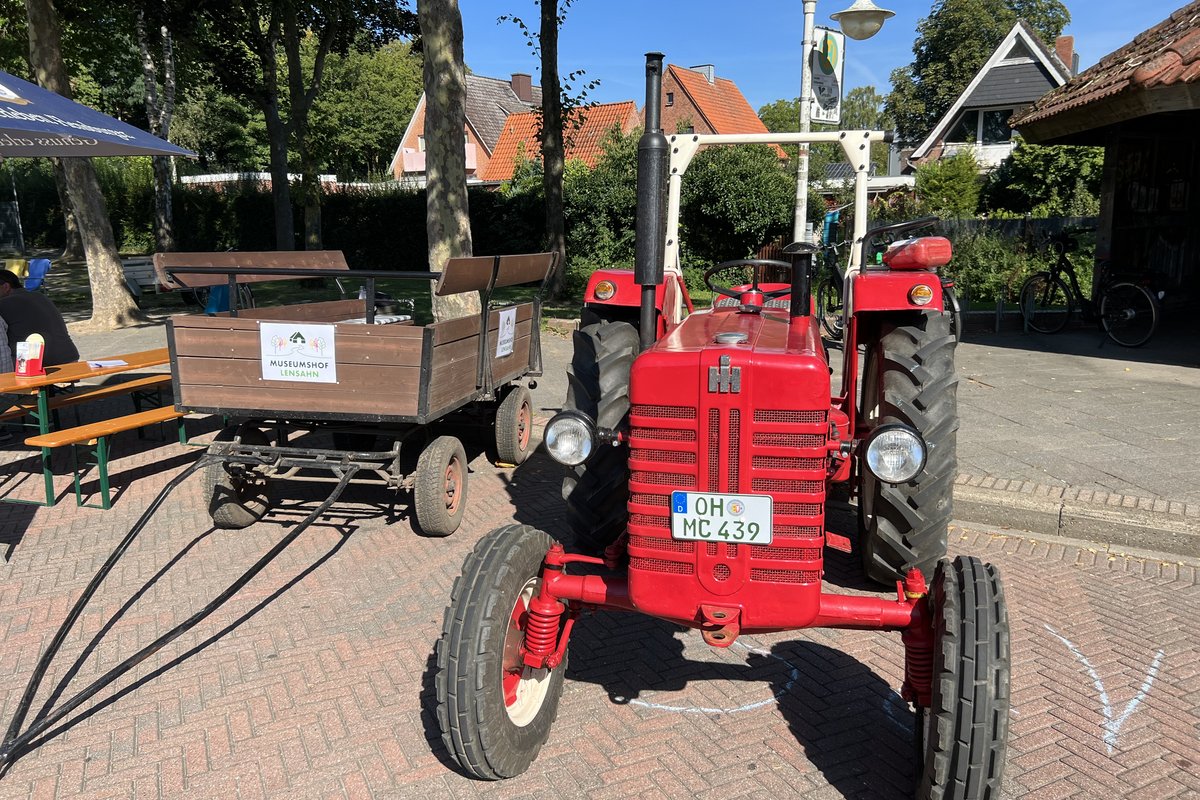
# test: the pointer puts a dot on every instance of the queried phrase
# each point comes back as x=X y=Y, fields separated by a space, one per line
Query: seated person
x=32 y=312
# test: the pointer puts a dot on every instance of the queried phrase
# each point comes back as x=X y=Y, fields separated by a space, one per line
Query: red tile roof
x=720 y=102
x=1168 y=53
x=583 y=143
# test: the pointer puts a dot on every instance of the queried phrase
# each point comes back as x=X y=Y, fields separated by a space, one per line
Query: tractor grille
x=661 y=565
x=664 y=456
x=664 y=412
x=663 y=435
x=808 y=441
x=791 y=417
x=778 y=452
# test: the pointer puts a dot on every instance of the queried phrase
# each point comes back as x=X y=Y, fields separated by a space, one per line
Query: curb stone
x=1110 y=519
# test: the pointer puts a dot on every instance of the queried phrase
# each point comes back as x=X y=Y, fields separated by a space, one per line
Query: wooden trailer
x=369 y=378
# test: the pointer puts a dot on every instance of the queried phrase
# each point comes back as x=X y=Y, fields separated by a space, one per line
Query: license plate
x=734 y=518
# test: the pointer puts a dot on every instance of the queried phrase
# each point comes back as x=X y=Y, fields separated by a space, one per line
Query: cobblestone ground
x=315 y=679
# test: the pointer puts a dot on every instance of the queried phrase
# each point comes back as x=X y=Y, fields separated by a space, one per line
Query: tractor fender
x=887 y=290
x=626 y=299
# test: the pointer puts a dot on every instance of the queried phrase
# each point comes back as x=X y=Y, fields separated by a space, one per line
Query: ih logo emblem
x=725 y=379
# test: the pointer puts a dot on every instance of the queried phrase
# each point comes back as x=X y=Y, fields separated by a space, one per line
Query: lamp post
x=862 y=20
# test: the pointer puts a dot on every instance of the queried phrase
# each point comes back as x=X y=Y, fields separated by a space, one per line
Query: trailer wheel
x=495 y=712
x=235 y=501
x=908 y=377
x=440 y=487
x=514 y=426
x=598 y=385
x=965 y=731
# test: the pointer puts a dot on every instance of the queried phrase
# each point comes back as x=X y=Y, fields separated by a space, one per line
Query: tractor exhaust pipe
x=651 y=202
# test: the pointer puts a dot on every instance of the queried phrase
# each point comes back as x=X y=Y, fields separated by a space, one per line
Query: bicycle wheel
x=829 y=308
x=1046 y=304
x=1128 y=314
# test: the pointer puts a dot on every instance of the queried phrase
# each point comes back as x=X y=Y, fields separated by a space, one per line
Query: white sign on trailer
x=298 y=352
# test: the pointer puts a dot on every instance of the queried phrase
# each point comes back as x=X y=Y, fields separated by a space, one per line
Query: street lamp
x=862 y=20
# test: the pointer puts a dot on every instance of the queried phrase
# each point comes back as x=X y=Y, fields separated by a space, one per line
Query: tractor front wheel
x=908 y=377
x=494 y=711
x=598 y=385
x=963 y=734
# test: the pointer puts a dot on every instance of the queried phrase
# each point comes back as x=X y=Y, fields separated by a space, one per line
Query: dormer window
x=986 y=127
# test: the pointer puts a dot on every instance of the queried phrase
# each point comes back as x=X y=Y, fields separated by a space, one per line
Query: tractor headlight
x=570 y=437
x=895 y=453
x=605 y=290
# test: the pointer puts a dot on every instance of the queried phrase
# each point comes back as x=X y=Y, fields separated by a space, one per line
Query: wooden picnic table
x=69 y=374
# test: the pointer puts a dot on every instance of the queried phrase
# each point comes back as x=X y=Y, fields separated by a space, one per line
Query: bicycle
x=829 y=291
x=1127 y=312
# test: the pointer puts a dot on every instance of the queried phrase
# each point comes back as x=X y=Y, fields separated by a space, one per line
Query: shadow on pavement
x=15 y=519
x=853 y=726
x=1174 y=344
x=57 y=728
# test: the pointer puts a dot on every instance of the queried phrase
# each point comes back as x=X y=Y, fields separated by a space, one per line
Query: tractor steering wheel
x=757 y=264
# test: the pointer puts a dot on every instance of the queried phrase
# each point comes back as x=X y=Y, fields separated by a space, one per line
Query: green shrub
x=949 y=187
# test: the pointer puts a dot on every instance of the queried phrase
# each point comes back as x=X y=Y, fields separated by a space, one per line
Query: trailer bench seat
x=139 y=388
x=95 y=435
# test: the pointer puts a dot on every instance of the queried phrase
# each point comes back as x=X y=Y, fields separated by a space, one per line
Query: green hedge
x=384 y=228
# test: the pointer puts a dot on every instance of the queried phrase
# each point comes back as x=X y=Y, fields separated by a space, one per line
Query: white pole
x=810 y=10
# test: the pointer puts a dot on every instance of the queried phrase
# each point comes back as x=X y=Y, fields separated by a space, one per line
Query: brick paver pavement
x=315 y=680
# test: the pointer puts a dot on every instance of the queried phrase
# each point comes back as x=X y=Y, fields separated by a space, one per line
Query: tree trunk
x=159 y=114
x=552 y=145
x=277 y=132
x=300 y=100
x=447 y=221
x=112 y=304
x=73 y=246
x=281 y=190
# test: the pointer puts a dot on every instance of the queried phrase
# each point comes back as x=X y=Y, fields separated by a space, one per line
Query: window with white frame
x=986 y=126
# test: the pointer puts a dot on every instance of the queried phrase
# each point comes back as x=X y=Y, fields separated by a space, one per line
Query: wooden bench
x=139 y=388
x=96 y=435
x=170 y=268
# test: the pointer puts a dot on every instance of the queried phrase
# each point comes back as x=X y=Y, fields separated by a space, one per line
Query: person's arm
x=6 y=354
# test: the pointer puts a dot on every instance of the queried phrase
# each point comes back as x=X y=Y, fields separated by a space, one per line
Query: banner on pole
x=827 y=66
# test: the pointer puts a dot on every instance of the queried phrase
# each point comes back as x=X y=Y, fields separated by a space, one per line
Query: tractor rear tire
x=598 y=385
x=514 y=426
x=495 y=712
x=908 y=377
x=440 y=487
x=965 y=730
x=233 y=501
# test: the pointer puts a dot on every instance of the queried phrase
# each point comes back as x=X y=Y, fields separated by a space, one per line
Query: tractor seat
x=774 y=302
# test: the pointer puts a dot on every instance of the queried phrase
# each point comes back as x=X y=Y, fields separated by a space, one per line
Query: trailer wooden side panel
x=454 y=372
x=384 y=372
x=519 y=362
x=217 y=364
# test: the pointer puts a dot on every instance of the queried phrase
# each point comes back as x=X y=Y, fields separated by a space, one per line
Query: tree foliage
x=1055 y=181
x=952 y=44
x=735 y=199
x=950 y=186
x=366 y=101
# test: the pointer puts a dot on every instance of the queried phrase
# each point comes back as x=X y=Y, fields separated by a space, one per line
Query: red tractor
x=704 y=448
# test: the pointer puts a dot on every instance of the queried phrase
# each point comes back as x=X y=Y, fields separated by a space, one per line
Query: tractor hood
x=725 y=358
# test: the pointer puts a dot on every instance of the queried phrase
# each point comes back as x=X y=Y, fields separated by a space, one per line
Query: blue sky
x=752 y=42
